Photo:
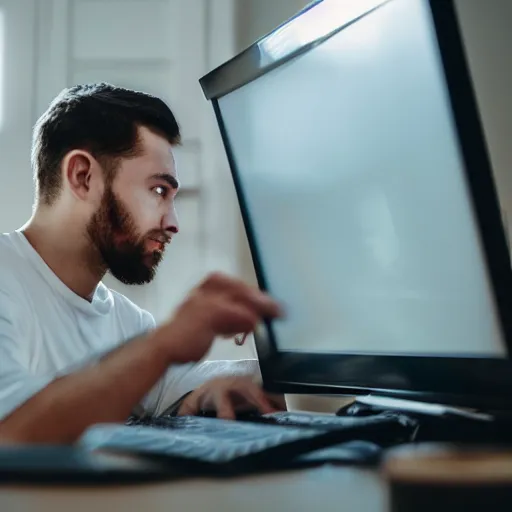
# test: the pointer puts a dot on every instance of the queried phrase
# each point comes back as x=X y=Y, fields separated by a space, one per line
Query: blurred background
x=158 y=46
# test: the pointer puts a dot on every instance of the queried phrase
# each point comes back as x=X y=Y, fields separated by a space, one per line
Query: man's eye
x=161 y=191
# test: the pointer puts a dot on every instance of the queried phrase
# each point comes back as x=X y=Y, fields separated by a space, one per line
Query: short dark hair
x=102 y=119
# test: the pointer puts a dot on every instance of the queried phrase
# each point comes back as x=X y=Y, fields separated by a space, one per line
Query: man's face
x=137 y=216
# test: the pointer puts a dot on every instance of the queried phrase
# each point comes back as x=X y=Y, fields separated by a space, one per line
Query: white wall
x=18 y=107
x=259 y=17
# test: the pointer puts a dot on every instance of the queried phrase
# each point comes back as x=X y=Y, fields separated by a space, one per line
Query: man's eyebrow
x=173 y=182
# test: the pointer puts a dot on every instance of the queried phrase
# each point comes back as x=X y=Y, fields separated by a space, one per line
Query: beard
x=114 y=235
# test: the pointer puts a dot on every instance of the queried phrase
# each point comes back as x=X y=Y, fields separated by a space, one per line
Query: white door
x=17 y=110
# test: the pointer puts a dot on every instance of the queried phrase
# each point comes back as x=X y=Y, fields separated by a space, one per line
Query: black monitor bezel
x=471 y=381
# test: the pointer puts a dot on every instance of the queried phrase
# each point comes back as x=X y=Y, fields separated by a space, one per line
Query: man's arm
x=103 y=392
x=108 y=390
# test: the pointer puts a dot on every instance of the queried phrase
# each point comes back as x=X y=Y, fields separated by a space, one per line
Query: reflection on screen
x=350 y=168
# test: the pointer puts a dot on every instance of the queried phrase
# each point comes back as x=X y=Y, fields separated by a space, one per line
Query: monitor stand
x=439 y=423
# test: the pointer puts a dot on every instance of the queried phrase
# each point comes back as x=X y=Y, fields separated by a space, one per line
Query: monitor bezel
x=466 y=381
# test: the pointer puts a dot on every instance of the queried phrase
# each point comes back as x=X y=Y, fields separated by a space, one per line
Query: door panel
x=17 y=104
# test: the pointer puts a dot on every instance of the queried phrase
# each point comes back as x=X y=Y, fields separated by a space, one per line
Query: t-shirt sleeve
x=148 y=321
x=17 y=384
x=182 y=378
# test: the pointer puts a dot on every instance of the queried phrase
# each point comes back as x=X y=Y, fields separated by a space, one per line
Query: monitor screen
x=349 y=159
x=349 y=164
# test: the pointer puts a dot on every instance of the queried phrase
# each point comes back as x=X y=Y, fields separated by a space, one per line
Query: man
x=105 y=189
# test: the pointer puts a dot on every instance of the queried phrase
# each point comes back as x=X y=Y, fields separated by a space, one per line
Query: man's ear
x=82 y=173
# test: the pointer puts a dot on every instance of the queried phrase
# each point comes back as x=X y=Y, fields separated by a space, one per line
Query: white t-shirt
x=46 y=330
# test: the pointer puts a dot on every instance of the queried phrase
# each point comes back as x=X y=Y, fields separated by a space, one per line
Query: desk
x=326 y=488
x=342 y=489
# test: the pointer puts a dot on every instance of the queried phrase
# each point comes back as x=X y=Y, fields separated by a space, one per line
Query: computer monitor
x=365 y=186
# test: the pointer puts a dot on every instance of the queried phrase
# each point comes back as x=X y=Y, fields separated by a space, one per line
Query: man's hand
x=226 y=395
x=219 y=306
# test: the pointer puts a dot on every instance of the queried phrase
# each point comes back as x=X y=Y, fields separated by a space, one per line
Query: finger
x=221 y=282
x=240 y=339
x=224 y=406
x=233 y=318
x=241 y=292
x=258 y=301
x=278 y=401
x=257 y=397
x=190 y=406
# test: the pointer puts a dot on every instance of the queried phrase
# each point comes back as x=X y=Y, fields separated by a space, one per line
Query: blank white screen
x=349 y=163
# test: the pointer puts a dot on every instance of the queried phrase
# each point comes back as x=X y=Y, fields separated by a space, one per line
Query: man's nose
x=171 y=222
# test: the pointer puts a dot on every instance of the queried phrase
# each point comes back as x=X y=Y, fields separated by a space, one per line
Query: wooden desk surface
x=326 y=488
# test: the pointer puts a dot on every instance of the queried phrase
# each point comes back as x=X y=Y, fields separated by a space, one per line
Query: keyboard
x=285 y=419
x=391 y=427
x=309 y=420
x=205 y=439
x=273 y=441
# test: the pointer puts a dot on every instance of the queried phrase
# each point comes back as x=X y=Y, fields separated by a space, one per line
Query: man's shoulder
x=128 y=309
x=8 y=244
x=13 y=264
x=15 y=277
